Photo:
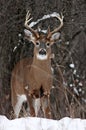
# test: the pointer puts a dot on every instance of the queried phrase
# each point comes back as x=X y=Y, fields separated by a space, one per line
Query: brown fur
x=34 y=74
x=34 y=78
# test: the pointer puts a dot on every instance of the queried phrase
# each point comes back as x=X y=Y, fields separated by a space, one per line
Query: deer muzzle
x=42 y=52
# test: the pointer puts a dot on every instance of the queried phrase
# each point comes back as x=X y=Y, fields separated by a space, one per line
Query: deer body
x=39 y=76
x=29 y=76
x=32 y=79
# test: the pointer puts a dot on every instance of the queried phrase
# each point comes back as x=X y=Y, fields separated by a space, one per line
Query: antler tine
x=61 y=24
x=27 y=20
x=58 y=28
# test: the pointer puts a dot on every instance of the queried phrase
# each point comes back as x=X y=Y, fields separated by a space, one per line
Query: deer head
x=42 y=41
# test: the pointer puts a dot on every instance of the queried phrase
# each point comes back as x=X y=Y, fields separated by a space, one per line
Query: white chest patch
x=41 y=57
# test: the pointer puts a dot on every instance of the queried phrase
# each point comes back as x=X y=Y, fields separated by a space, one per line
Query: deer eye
x=48 y=44
x=37 y=43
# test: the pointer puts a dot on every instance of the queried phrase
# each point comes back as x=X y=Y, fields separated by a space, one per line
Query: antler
x=54 y=15
x=27 y=20
x=58 y=28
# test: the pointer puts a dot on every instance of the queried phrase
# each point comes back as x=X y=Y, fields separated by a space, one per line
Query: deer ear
x=55 y=36
x=28 y=35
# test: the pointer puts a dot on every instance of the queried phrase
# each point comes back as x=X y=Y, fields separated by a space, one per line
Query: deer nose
x=42 y=52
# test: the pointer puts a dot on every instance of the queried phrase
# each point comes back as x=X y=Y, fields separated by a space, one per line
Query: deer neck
x=43 y=64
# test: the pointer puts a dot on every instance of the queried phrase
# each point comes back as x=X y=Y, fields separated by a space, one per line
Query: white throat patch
x=41 y=57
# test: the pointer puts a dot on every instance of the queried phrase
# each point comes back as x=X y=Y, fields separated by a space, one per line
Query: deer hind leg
x=45 y=101
x=18 y=105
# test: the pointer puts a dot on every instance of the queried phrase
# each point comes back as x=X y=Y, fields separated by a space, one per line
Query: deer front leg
x=30 y=101
x=45 y=101
x=30 y=104
x=36 y=105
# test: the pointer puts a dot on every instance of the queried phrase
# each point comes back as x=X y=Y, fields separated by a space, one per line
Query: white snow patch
x=76 y=91
x=72 y=65
x=40 y=30
x=53 y=15
x=19 y=34
x=44 y=31
x=84 y=100
x=71 y=85
x=80 y=84
x=74 y=72
x=67 y=43
x=33 y=123
x=14 y=48
x=80 y=89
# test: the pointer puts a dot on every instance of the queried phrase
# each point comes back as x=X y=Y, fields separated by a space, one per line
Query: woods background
x=69 y=98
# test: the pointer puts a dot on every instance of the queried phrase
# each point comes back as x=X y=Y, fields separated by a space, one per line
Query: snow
x=53 y=15
x=76 y=91
x=71 y=85
x=19 y=34
x=44 y=31
x=72 y=65
x=80 y=90
x=80 y=84
x=67 y=43
x=74 y=72
x=14 y=48
x=84 y=100
x=34 y=123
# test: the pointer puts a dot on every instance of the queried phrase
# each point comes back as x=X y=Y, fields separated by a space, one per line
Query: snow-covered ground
x=33 y=123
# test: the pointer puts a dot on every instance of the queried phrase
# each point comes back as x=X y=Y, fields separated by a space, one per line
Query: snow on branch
x=33 y=123
x=53 y=15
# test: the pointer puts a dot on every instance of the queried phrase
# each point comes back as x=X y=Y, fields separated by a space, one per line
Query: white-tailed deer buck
x=32 y=79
